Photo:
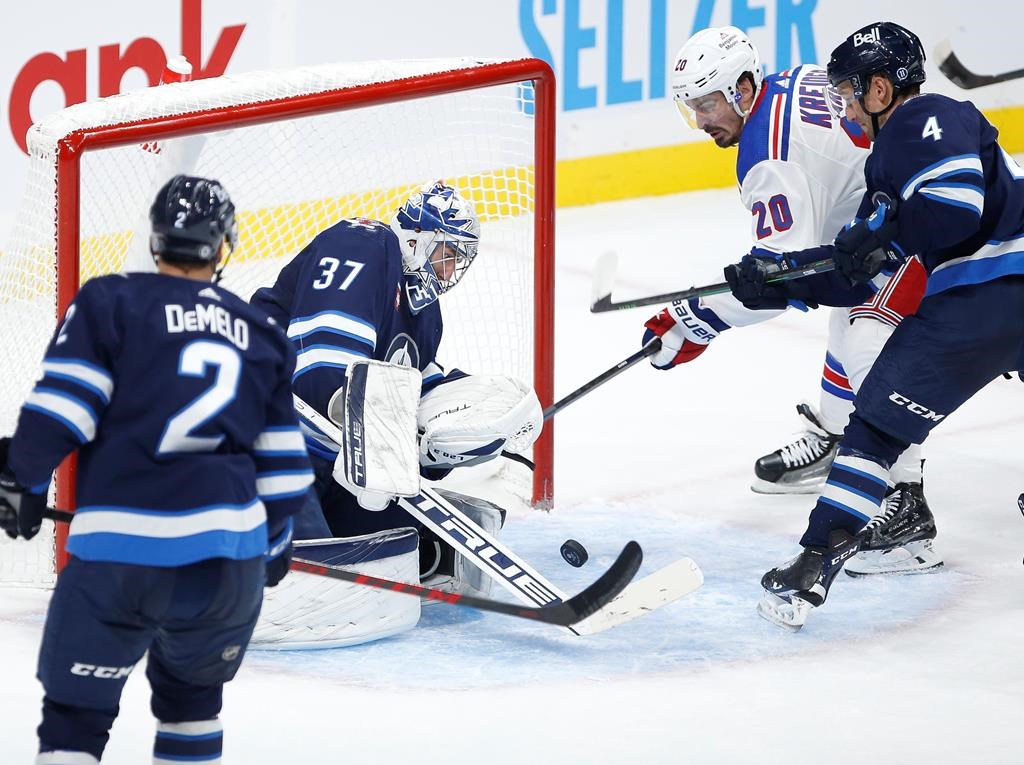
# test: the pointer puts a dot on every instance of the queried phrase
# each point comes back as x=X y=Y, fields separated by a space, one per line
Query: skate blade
x=815 y=486
x=913 y=558
x=790 y=615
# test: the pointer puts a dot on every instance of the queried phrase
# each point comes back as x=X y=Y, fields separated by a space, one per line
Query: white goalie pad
x=377 y=415
x=309 y=611
x=472 y=419
x=452 y=572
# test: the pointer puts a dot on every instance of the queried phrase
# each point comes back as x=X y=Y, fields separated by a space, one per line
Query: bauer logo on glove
x=684 y=335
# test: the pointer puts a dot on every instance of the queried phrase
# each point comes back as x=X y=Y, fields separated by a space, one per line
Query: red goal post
x=490 y=124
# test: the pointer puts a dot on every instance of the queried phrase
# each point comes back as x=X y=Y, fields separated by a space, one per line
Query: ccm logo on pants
x=916 y=408
x=103 y=673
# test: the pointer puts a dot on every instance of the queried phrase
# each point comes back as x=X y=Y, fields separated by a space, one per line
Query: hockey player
x=176 y=395
x=800 y=171
x=940 y=187
x=365 y=289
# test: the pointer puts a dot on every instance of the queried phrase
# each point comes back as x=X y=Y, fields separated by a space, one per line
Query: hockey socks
x=201 y=741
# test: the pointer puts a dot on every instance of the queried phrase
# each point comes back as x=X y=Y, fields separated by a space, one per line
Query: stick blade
x=603 y=282
x=603 y=591
x=664 y=586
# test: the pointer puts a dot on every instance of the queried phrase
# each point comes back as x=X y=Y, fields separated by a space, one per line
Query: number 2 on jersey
x=194 y=360
x=778 y=209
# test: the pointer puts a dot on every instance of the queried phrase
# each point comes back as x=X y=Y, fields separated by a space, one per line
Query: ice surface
x=923 y=667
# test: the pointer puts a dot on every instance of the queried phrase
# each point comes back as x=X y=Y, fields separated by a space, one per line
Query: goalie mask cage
x=298 y=151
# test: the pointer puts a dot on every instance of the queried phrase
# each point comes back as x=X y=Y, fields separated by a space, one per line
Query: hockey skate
x=899 y=539
x=791 y=591
x=801 y=466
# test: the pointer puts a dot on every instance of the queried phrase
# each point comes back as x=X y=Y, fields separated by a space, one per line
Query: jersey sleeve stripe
x=963 y=163
x=324 y=355
x=67 y=410
x=333 y=321
x=87 y=375
x=282 y=484
x=957 y=195
x=280 y=442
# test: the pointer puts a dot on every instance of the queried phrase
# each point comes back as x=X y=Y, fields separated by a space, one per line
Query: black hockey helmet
x=883 y=47
x=191 y=218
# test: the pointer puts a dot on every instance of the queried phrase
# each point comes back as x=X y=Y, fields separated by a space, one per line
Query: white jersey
x=800 y=171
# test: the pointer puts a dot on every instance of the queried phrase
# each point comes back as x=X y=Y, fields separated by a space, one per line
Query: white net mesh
x=289 y=179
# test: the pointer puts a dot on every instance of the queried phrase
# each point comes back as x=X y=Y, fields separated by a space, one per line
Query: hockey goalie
x=360 y=303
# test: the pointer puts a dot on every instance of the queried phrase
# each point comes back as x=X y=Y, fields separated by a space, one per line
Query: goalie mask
x=439 y=234
x=712 y=61
x=192 y=217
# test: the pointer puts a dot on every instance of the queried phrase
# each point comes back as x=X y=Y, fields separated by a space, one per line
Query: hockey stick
x=499 y=562
x=951 y=66
x=604 y=283
x=564 y=613
x=648 y=350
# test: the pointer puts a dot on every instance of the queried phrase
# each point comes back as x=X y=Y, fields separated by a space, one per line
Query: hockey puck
x=574 y=553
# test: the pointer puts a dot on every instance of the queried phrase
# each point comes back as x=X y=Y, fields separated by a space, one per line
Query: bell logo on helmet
x=860 y=38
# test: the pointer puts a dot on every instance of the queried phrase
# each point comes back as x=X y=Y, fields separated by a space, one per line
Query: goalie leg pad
x=453 y=572
x=471 y=419
x=308 y=611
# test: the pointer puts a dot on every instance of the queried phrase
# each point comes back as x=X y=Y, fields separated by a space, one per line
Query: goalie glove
x=471 y=419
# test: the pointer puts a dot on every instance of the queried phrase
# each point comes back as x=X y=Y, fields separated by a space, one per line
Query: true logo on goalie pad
x=483 y=550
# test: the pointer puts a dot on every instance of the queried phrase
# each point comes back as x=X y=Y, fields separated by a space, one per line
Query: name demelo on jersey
x=208 y=318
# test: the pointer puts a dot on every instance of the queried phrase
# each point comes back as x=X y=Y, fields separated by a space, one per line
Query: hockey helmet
x=883 y=47
x=439 y=235
x=191 y=218
x=711 y=61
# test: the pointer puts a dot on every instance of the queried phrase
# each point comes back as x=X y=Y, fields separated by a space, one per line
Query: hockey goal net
x=298 y=151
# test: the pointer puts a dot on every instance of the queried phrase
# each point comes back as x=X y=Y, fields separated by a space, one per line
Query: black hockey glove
x=864 y=247
x=279 y=556
x=748 y=282
x=21 y=513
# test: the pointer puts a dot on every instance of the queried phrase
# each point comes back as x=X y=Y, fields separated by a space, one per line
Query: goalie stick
x=604 y=283
x=566 y=613
x=499 y=562
x=951 y=66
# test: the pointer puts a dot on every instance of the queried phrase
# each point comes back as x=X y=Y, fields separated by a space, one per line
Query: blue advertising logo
x=793 y=20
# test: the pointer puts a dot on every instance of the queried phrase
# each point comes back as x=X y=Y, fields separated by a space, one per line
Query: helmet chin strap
x=875 y=115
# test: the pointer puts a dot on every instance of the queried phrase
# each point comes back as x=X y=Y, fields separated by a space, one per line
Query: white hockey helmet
x=711 y=61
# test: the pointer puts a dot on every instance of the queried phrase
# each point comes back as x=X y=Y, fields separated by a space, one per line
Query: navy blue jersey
x=177 y=394
x=960 y=196
x=342 y=299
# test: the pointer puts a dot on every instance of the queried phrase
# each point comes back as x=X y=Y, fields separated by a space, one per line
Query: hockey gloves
x=748 y=281
x=864 y=247
x=279 y=555
x=21 y=513
x=684 y=334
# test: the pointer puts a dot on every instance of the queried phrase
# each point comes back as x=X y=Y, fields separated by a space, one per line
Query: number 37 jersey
x=177 y=395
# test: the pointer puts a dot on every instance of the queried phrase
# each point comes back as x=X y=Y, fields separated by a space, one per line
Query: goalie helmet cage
x=298 y=151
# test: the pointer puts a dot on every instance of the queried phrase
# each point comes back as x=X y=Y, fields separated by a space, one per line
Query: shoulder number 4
x=932 y=129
